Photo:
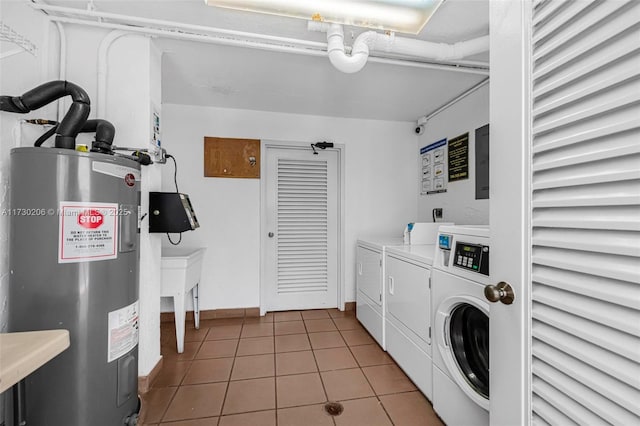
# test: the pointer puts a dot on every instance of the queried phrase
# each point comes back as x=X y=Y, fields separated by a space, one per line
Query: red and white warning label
x=88 y=232
x=123 y=331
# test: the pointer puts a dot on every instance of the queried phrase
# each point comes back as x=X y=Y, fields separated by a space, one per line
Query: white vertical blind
x=302 y=224
x=586 y=212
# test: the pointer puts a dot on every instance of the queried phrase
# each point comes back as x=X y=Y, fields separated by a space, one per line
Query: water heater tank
x=73 y=254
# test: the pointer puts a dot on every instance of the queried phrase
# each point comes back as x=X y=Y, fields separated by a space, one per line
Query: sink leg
x=196 y=306
x=179 y=313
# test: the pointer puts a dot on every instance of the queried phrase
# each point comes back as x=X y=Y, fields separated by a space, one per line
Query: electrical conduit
x=103 y=61
x=62 y=71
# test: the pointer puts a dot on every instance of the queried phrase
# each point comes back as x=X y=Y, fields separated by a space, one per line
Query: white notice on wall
x=433 y=168
x=123 y=331
x=87 y=232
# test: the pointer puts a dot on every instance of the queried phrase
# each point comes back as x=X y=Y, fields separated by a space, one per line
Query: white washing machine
x=461 y=325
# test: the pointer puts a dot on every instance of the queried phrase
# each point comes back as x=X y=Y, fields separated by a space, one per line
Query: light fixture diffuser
x=405 y=16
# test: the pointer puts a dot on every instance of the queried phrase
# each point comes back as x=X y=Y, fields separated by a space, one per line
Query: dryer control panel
x=472 y=257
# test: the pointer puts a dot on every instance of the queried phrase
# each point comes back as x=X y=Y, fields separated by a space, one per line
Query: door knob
x=500 y=293
x=270 y=234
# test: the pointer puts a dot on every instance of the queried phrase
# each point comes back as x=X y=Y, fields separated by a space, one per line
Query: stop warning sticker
x=90 y=219
x=87 y=232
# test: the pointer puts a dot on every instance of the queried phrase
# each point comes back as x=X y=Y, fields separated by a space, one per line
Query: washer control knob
x=500 y=293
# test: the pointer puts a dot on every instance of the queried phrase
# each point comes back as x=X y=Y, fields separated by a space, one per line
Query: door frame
x=265 y=145
x=510 y=209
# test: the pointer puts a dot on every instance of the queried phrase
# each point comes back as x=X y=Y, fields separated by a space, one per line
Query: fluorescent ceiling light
x=406 y=16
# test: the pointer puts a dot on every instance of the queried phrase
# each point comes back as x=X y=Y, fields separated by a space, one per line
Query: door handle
x=503 y=292
x=391 y=286
x=270 y=234
x=359 y=268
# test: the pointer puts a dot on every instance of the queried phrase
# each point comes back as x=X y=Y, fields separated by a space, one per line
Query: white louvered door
x=586 y=212
x=302 y=208
x=576 y=98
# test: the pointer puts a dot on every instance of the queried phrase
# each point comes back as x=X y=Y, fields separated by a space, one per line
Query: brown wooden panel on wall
x=231 y=158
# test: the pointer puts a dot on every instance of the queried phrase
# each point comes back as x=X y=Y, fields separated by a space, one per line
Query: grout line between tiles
x=226 y=389
x=242 y=412
x=164 y=412
x=185 y=373
x=369 y=382
x=326 y=394
x=275 y=372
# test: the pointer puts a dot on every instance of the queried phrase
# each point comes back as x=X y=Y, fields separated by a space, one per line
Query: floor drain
x=333 y=408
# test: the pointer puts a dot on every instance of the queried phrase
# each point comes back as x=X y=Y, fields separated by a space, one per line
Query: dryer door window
x=469 y=337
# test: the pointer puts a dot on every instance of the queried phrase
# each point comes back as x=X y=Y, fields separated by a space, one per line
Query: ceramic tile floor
x=280 y=370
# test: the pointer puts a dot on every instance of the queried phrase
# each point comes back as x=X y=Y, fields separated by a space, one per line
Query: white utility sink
x=181 y=271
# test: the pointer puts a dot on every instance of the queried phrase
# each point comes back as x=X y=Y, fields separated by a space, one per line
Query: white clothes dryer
x=370 y=289
x=408 y=316
x=461 y=325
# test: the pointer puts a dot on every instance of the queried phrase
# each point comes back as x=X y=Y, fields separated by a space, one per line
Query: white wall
x=134 y=92
x=458 y=203
x=18 y=74
x=380 y=188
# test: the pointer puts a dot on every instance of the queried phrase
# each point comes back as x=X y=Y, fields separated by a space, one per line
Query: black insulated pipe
x=104 y=130
x=46 y=93
x=46 y=135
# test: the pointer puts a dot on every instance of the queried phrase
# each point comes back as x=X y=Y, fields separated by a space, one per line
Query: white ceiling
x=198 y=73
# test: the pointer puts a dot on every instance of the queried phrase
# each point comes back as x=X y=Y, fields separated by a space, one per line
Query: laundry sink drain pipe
x=372 y=41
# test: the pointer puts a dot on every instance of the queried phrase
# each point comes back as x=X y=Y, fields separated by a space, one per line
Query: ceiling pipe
x=372 y=41
x=456 y=100
x=178 y=30
x=226 y=41
x=178 y=35
x=103 y=65
x=440 y=51
x=62 y=66
x=174 y=26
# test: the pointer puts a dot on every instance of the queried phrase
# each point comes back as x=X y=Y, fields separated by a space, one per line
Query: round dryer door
x=469 y=338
